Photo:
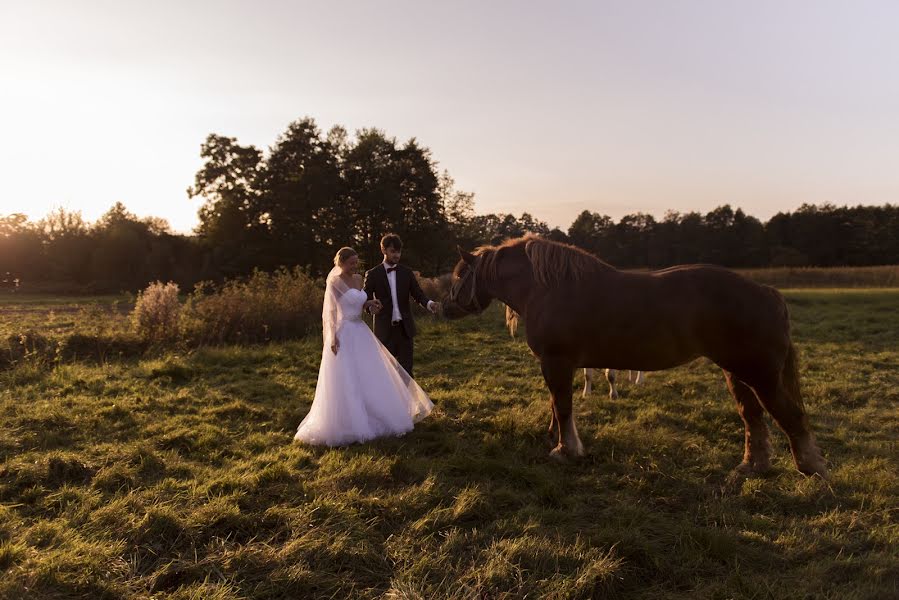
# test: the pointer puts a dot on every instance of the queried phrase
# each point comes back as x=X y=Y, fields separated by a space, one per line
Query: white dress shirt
x=391 y=279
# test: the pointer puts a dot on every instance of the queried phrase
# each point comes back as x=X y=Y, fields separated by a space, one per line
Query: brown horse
x=580 y=312
x=611 y=374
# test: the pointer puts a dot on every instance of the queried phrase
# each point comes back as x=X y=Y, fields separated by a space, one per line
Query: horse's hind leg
x=757 y=449
x=559 y=376
x=611 y=376
x=588 y=381
x=781 y=397
x=639 y=378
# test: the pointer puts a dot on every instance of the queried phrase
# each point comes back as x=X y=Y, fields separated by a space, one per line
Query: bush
x=26 y=346
x=156 y=312
x=437 y=288
x=266 y=306
x=80 y=346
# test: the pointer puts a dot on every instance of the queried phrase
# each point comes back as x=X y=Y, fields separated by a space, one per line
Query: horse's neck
x=510 y=292
x=516 y=290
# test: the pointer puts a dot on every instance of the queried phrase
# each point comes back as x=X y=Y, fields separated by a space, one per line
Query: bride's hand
x=335 y=346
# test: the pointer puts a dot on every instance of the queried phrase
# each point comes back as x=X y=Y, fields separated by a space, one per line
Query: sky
x=547 y=108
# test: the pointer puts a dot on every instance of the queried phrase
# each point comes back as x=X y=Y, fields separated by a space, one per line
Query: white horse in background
x=611 y=377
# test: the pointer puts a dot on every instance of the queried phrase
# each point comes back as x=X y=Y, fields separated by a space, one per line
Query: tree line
x=821 y=236
x=313 y=192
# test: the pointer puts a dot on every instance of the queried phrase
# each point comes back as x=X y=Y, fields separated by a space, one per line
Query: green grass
x=58 y=316
x=48 y=300
x=175 y=477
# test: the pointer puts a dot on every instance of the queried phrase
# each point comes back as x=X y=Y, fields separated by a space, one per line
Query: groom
x=392 y=284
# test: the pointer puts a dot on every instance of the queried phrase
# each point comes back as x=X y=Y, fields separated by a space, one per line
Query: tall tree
x=424 y=221
x=372 y=187
x=394 y=189
x=595 y=233
x=231 y=221
x=300 y=189
x=21 y=249
x=67 y=246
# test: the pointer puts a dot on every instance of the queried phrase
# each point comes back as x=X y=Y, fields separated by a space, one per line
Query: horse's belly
x=653 y=349
x=643 y=361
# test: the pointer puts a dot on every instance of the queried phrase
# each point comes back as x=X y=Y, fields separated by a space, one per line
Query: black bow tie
x=392 y=269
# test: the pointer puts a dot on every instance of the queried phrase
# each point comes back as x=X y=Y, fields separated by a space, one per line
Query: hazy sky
x=550 y=108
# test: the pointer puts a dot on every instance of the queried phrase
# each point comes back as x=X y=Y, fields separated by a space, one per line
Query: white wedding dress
x=362 y=392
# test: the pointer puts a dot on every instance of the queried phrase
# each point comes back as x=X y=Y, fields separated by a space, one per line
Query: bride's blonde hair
x=343 y=254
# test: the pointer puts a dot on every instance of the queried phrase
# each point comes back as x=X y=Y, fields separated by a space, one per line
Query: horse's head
x=467 y=295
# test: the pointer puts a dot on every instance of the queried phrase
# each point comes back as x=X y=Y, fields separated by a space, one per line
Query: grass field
x=174 y=476
x=826 y=277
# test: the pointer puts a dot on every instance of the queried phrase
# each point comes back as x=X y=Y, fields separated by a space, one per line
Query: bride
x=362 y=391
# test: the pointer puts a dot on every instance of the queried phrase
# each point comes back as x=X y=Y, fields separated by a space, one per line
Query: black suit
x=396 y=337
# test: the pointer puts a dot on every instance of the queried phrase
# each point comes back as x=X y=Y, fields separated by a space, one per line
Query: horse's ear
x=468 y=257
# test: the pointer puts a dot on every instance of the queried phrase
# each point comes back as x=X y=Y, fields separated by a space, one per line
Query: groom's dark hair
x=391 y=240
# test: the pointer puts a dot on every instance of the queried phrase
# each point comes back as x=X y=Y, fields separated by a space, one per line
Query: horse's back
x=733 y=316
x=659 y=319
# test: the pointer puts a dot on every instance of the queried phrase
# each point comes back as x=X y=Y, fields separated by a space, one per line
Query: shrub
x=156 y=312
x=26 y=346
x=266 y=306
x=437 y=288
x=100 y=347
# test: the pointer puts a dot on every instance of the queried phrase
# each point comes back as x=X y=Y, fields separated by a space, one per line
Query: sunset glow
x=612 y=107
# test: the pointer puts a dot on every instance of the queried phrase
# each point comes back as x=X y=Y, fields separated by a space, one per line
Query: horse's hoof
x=746 y=470
x=737 y=476
x=563 y=454
x=809 y=460
x=813 y=468
x=558 y=454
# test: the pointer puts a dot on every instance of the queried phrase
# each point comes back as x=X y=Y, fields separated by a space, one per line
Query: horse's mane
x=552 y=262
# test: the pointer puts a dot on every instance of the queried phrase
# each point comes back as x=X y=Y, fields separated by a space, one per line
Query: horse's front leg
x=588 y=381
x=559 y=377
x=553 y=424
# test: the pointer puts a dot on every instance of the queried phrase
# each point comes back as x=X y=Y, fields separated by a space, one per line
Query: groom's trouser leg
x=401 y=347
x=404 y=352
x=389 y=341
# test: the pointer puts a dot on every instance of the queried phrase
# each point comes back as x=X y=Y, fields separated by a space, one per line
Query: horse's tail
x=789 y=377
x=511 y=320
x=789 y=374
